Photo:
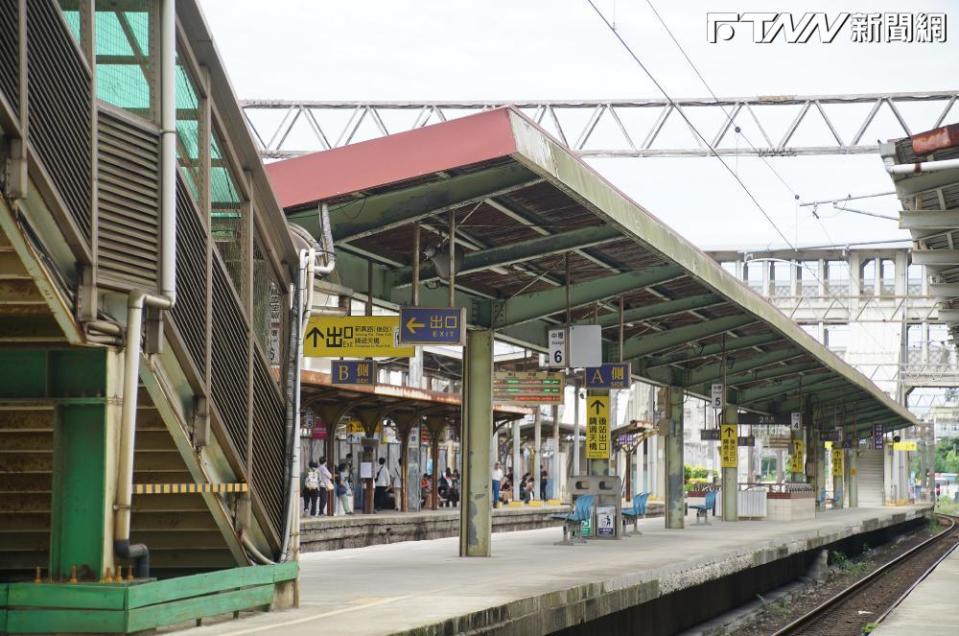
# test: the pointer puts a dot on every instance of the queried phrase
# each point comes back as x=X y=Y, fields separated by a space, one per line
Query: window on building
x=836 y=338
x=914 y=276
x=782 y=279
x=837 y=278
x=867 y=277
x=887 y=277
x=754 y=275
x=809 y=276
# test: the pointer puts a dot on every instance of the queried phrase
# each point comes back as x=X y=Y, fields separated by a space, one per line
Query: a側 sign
x=612 y=375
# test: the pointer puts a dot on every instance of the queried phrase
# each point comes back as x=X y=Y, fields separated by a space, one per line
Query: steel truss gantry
x=633 y=126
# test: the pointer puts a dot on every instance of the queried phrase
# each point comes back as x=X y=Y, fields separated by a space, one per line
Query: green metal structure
x=133 y=189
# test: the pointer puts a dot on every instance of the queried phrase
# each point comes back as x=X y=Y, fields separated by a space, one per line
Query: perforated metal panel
x=59 y=104
x=229 y=360
x=269 y=441
x=190 y=312
x=9 y=55
x=128 y=241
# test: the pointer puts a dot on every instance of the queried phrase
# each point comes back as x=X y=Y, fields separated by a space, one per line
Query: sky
x=506 y=50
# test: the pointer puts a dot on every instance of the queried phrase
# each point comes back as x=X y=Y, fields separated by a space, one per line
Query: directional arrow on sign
x=314 y=333
x=412 y=325
x=598 y=405
x=729 y=432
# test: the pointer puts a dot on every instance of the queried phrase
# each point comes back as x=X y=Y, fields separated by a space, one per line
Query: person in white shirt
x=383 y=481
x=326 y=484
x=497 y=478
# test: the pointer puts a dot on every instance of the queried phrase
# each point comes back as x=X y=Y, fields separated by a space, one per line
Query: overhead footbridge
x=146 y=373
x=540 y=240
x=925 y=170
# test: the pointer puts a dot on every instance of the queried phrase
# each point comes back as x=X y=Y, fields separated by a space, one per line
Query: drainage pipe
x=138 y=300
x=925 y=166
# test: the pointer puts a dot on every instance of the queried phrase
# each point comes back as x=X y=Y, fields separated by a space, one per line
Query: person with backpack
x=311 y=489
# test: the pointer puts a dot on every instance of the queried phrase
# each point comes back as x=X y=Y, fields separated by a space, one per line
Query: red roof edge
x=318 y=176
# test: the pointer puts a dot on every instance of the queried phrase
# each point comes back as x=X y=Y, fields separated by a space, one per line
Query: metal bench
x=702 y=510
x=573 y=521
x=636 y=512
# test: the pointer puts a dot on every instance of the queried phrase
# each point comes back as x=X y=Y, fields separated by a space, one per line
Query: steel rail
x=916 y=583
x=864 y=582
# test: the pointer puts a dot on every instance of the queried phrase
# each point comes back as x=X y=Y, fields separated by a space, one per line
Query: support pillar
x=852 y=479
x=675 y=509
x=553 y=476
x=517 y=460
x=476 y=514
x=576 y=430
x=537 y=454
x=780 y=467
x=730 y=476
x=84 y=445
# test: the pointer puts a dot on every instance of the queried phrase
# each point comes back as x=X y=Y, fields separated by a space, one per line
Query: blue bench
x=837 y=499
x=636 y=512
x=821 y=500
x=573 y=521
x=702 y=510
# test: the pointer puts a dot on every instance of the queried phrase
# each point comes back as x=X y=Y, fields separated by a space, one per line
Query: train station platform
x=359 y=530
x=930 y=609
x=531 y=586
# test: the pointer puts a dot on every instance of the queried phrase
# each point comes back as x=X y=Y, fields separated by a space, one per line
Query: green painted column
x=476 y=435
x=730 y=476
x=82 y=384
x=675 y=505
x=80 y=506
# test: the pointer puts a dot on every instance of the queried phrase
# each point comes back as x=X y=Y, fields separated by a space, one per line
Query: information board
x=354 y=337
x=837 y=455
x=905 y=446
x=728 y=446
x=436 y=325
x=878 y=436
x=528 y=387
x=797 y=458
x=597 y=427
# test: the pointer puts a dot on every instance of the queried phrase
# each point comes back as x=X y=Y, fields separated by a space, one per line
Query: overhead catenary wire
x=768 y=164
x=710 y=147
x=729 y=118
x=689 y=123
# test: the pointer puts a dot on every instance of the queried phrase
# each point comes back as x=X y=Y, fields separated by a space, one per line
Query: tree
x=947 y=455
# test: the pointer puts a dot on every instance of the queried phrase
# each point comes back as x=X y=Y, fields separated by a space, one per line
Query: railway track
x=871 y=598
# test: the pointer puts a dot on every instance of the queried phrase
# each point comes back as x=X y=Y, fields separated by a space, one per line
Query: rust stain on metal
x=930 y=141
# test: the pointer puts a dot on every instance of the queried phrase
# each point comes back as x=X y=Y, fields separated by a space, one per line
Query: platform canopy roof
x=929 y=195
x=522 y=203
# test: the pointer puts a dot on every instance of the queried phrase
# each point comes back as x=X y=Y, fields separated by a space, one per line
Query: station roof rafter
x=524 y=204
